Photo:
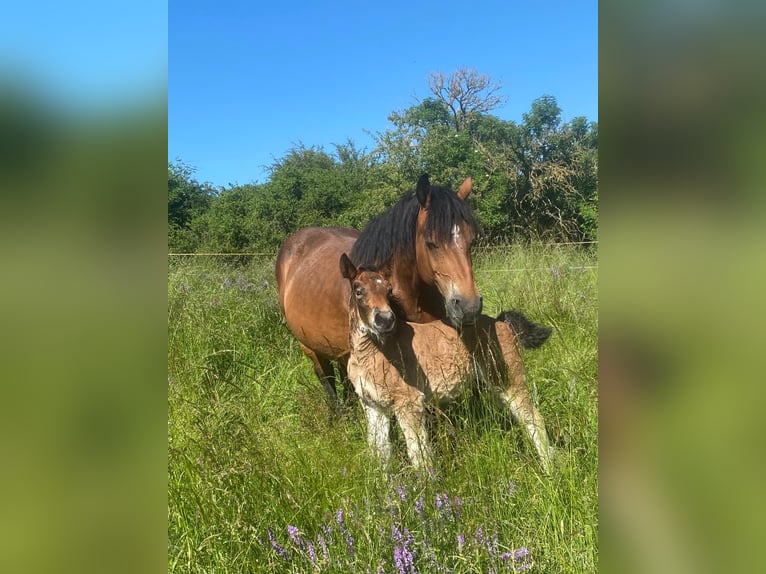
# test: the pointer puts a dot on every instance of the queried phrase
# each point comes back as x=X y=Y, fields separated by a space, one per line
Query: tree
x=466 y=94
x=188 y=201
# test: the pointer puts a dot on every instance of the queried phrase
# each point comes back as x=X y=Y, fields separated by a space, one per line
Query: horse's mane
x=393 y=232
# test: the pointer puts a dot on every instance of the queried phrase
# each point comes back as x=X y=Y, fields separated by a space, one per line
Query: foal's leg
x=326 y=373
x=516 y=396
x=410 y=413
x=378 y=427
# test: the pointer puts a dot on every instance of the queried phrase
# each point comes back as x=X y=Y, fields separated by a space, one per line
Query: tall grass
x=261 y=478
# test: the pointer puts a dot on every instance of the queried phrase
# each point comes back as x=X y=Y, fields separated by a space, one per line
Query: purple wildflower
x=419 y=504
x=395 y=532
x=460 y=540
x=398 y=560
x=350 y=542
x=312 y=553
x=402 y=493
x=276 y=546
x=292 y=531
x=517 y=559
x=480 y=534
x=339 y=517
x=323 y=545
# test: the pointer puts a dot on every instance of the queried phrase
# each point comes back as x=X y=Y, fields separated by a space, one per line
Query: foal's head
x=370 y=306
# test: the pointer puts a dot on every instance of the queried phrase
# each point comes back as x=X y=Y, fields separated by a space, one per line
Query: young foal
x=399 y=368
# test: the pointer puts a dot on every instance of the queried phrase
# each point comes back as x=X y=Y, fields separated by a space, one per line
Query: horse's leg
x=516 y=396
x=378 y=427
x=326 y=373
x=348 y=388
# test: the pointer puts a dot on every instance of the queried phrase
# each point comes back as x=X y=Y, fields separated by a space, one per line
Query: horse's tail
x=530 y=334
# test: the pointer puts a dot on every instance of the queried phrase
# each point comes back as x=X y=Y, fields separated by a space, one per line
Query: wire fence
x=477 y=250
x=274 y=254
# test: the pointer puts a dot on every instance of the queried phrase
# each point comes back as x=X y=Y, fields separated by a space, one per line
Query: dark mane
x=393 y=232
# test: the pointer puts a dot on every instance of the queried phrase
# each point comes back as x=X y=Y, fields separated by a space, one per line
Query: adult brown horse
x=425 y=242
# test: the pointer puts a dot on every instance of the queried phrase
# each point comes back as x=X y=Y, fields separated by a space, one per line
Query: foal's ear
x=465 y=188
x=386 y=270
x=423 y=191
x=347 y=268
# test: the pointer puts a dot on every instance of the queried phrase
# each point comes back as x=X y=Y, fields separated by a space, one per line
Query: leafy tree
x=466 y=94
x=188 y=200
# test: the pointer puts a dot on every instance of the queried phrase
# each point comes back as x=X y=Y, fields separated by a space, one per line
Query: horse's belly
x=313 y=294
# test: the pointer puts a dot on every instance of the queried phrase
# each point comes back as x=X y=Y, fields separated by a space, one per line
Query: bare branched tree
x=465 y=93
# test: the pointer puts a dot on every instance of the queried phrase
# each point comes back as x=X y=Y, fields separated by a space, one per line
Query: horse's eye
x=431 y=245
x=358 y=291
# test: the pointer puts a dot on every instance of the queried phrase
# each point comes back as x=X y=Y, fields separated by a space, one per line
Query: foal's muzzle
x=463 y=310
x=384 y=322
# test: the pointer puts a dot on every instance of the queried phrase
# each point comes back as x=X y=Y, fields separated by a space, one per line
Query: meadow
x=261 y=477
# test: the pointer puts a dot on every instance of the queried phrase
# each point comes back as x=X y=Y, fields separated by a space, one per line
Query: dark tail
x=530 y=334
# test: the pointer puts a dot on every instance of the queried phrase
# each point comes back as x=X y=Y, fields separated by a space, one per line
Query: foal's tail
x=530 y=334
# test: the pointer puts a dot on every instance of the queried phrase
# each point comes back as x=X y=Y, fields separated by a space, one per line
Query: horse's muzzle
x=463 y=310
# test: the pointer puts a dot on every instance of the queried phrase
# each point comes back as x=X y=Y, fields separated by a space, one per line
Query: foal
x=398 y=369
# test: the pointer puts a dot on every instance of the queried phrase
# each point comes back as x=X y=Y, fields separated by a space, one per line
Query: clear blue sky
x=249 y=80
x=85 y=55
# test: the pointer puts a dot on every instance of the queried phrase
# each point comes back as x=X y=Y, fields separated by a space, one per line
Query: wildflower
x=402 y=493
x=395 y=532
x=460 y=540
x=312 y=553
x=419 y=504
x=350 y=542
x=323 y=545
x=517 y=559
x=276 y=546
x=292 y=531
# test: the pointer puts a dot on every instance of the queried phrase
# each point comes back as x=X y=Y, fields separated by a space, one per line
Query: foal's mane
x=393 y=232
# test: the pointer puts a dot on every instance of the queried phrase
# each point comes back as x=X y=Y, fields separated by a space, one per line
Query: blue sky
x=85 y=55
x=249 y=80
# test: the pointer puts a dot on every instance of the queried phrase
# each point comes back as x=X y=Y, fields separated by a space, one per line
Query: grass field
x=262 y=479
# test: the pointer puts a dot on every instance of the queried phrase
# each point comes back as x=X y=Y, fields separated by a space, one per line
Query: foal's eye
x=431 y=245
x=358 y=291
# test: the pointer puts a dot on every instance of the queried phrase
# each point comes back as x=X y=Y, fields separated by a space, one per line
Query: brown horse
x=399 y=367
x=425 y=240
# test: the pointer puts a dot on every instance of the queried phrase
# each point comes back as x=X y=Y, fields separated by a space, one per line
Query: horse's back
x=312 y=293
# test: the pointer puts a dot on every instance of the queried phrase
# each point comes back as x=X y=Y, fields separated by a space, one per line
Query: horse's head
x=370 y=305
x=443 y=250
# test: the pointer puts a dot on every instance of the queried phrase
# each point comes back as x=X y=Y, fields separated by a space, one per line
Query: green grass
x=253 y=449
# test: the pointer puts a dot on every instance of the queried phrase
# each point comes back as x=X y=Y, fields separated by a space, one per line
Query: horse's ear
x=423 y=191
x=347 y=269
x=465 y=188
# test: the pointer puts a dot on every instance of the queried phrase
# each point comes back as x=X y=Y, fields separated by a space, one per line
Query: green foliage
x=188 y=200
x=252 y=446
x=534 y=179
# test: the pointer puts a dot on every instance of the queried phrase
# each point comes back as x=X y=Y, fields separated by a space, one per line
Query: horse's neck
x=420 y=303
